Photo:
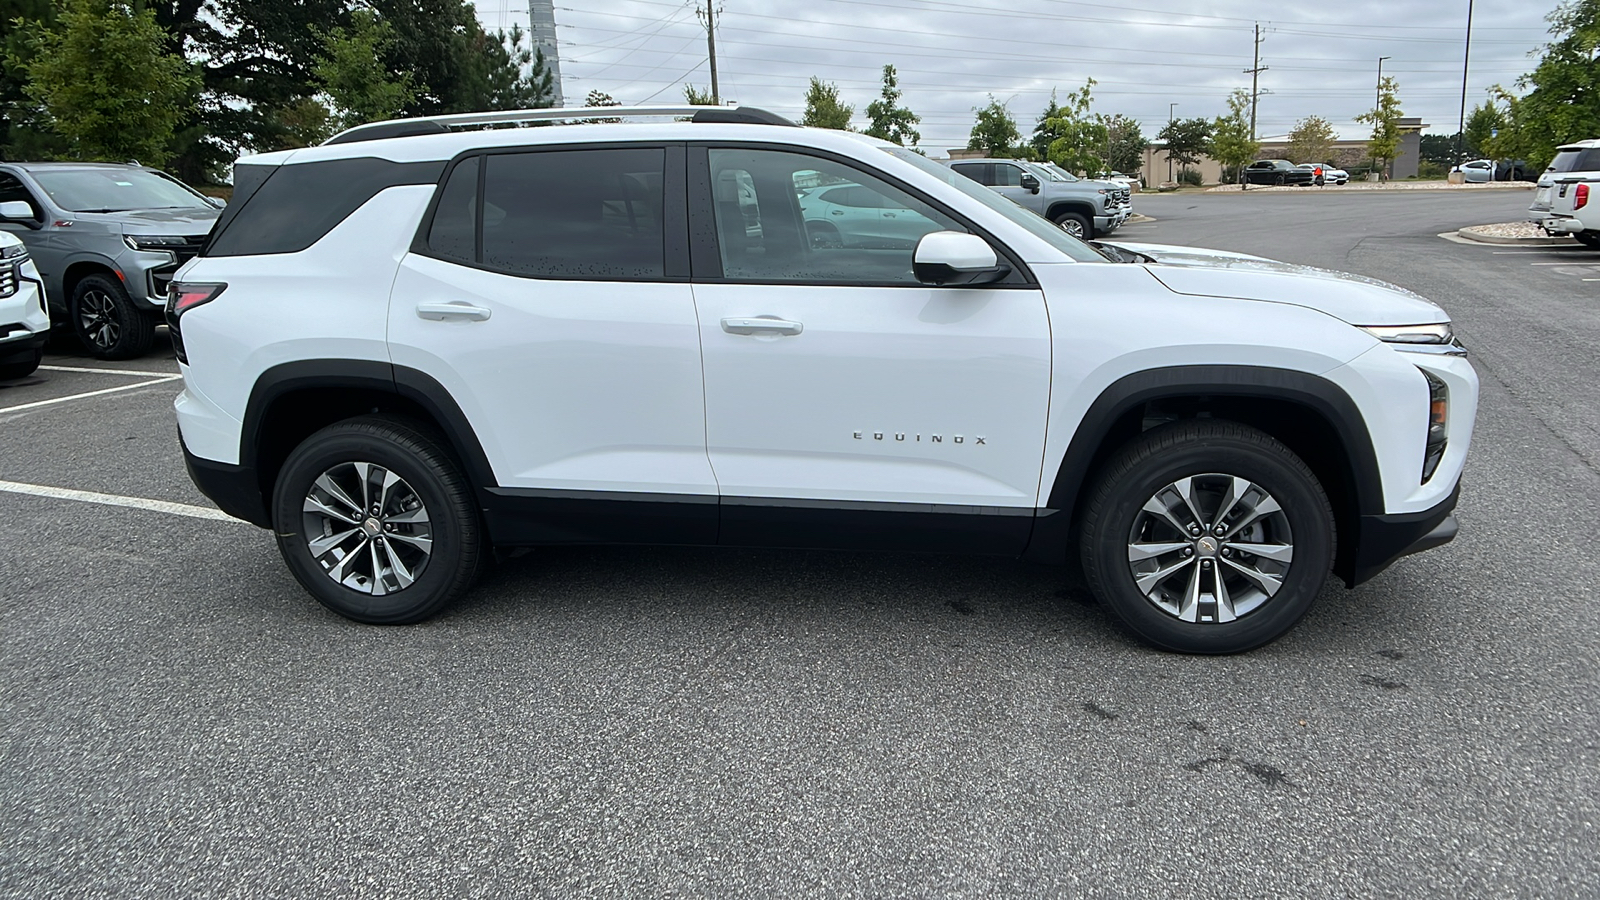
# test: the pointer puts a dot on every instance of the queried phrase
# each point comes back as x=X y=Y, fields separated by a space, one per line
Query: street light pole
x=1466 y=57
x=1377 y=101
x=1170 y=108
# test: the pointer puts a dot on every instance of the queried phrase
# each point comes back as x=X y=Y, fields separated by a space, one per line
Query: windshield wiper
x=1119 y=254
x=106 y=210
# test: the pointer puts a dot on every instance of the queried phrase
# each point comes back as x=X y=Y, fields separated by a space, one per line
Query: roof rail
x=443 y=124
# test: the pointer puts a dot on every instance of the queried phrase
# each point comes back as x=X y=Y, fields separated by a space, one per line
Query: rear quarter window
x=296 y=205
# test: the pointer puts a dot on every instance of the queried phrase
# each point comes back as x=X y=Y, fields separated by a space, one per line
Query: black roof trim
x=740 y=115
x=380 y=130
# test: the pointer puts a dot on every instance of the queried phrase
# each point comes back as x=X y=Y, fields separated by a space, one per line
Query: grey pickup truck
x=1084 y=209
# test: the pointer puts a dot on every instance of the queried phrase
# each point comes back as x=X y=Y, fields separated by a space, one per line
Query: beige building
x=1343 y=154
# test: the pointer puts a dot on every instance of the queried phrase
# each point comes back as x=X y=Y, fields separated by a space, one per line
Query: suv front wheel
x=1207 y=537
x=375 y=519
x=106 y=321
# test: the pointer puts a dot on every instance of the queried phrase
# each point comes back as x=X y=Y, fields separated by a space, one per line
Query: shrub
x=1191 y=177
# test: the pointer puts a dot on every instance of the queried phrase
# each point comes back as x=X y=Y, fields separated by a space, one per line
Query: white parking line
x=106 y=371
x=162 y=506
x=163 y=379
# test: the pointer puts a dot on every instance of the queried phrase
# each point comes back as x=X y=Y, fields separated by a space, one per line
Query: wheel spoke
x=402 y=575
x=378 y=587
x=1283 y=553
x=1140 y=552
x=1185 y=489
x=390 y=479
x=332 y=488
x=1189 y=611
x=1152 y=580
x=317 y=505
x=320 y=547
x=419 y=541
x=418 y=516
x=1224 y=602
x=1268 y=584
x=1154 y=506
x=342 y=571
x=364 y=473
x=1237 y=488
x=1265 y=508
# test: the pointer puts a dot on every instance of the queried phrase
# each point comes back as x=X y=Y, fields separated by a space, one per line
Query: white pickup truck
x=1575 y=208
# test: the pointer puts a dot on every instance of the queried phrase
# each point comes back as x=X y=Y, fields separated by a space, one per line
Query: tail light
x=182 y=297
x=1580 y=196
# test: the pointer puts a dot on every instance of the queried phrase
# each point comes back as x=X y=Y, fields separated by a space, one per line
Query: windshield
x=116 y=190
x=1035 y=224
x=1578 y=160
x=1059 y=173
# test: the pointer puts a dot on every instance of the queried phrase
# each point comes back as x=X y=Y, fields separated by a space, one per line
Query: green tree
x=888 y=119
x=1485 y=122
x=107 y=82
x=1125 y=142
x=21 y=127
x=1562 y=103
x=994 y=132
x=350 y=69
x=697 y=97
x=824 y=109
x=1044 y=133
x=1230 y=142
x=1311 y=140
x=1385 y=121
x=1079 y=140
x=1185 y=139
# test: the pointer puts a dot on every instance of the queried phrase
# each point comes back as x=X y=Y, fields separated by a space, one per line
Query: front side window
x=1007 y=175
x=787 y=217
x=594 y=213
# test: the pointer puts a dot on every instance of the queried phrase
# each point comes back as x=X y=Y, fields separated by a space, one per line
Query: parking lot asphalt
x=178 y=718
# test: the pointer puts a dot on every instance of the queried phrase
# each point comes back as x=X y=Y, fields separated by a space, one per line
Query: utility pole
x=710 y=15
x=1170 y=108
x=1377 y=102
x=1255 y=78
x=1465 y=59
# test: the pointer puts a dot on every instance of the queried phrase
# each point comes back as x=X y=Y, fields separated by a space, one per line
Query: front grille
x=8 y=280
x=161 y=276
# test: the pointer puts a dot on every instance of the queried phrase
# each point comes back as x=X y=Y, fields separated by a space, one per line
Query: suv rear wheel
x=375 y=519
x=1207 y=537
x=106 y=321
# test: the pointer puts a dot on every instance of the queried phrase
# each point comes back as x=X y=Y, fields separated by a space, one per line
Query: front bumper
x=1380 y=540
x=21 y=347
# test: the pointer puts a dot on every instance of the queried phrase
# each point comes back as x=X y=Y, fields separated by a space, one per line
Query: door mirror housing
x=953 y=258
x=18 y=211
x=218 y=202
x=1030 y=182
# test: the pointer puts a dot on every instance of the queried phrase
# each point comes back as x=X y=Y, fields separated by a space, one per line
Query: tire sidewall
x=133 y=326
x=432 y=590
x=1304 y=504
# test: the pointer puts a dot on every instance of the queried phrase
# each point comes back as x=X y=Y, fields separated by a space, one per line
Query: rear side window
x=297 y=204
x=593 y=213
x=975 y=171
x=453 y=234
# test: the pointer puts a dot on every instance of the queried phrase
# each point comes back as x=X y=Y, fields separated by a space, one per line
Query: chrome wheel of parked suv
x=376 y=521
x=1207 y=537
x=106 y=321
x=1075 y=224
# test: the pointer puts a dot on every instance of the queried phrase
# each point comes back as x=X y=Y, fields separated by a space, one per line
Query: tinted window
x=455 y=220
x=298 y=204
x=975 y=171
x=1576 y=161
x=774 y=225
x=575 y=213
x=1007 y=175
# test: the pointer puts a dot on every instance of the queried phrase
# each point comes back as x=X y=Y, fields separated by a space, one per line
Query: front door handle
x=454 y=309
x=761 y=325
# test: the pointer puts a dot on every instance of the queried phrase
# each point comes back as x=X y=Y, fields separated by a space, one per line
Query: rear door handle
x=761 y=325
x=455 y=309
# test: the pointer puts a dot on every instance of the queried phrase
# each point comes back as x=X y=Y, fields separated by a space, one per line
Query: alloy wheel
x=97 y=316
x=1210 y=548
x=1072 y=227
x=367 y=528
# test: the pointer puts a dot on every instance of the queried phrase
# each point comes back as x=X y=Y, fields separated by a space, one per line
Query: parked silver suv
x=1084 y=209
x=106 y=238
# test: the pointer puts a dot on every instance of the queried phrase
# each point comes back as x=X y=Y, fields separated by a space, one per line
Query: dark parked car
x=1277 y=171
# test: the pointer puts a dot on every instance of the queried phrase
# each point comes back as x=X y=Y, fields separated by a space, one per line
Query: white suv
x=414 y=343
x=24 y=315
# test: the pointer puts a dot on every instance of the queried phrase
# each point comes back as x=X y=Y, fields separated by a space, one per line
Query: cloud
x=951 y=55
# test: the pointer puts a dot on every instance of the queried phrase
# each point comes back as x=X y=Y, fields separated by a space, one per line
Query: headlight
x=14 y=251
x=1411 y=334
x=153 y=241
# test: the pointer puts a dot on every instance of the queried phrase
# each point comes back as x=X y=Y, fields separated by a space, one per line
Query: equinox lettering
x=916 y=437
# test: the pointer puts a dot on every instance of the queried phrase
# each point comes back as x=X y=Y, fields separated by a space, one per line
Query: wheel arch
x=1082 y=207
x=291 y=401
x=1314 y=417
x=82 y=268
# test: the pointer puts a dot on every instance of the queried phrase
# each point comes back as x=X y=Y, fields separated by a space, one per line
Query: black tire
x=1588 y=238
x=106 y=321
x=1278 y=181
x=428 y=474
x=1068 y=221
x=13 y=371
x=1156 y=461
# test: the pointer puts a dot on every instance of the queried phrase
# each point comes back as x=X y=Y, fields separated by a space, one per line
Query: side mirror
x=18 y=211
x=218 y=202
x=951 y=258
x=1030 y=182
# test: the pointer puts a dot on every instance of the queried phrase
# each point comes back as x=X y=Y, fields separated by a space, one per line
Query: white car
x=1479 y=171
x=1330 y=174
x=1580 y=159
x=24 y=316
x=414 y=344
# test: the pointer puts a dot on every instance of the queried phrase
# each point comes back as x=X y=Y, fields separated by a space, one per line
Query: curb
x=1139 y=219
x=1516 y=241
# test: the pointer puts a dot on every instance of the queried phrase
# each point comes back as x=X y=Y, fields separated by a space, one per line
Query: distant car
x=1124 y=180
x=1479 y=171
x=1512 y=170
x=1277 y=171
x=107 y=238
x=1578 y=158
x=852 y=215
x=1330 y=174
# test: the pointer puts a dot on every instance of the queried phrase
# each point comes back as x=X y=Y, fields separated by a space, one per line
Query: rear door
x=549 y=294
x=847 y=404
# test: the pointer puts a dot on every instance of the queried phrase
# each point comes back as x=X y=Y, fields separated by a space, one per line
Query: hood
x=1352 y=298
x=197 y=220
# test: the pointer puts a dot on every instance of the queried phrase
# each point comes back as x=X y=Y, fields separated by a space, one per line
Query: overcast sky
x=1322 y=58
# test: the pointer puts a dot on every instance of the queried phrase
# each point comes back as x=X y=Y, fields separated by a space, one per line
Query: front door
x=551 y=299
x=847 y=404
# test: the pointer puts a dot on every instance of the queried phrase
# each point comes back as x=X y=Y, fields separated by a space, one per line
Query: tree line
x=193 y=84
